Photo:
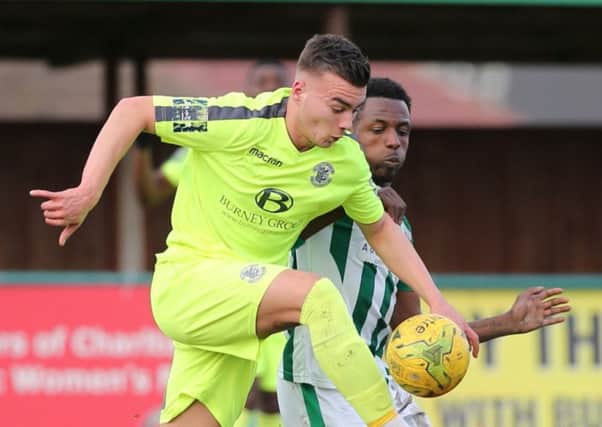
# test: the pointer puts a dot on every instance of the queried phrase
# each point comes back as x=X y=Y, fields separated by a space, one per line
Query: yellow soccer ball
x=428 y=355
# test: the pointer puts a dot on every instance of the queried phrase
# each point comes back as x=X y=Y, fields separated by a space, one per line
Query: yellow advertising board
x=546 y=378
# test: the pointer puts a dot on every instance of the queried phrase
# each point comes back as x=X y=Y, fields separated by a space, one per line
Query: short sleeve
x=205 y=124
x=363 y=205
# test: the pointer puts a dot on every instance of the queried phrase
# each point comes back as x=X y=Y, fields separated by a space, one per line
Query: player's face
x=266 y=78
x=326 y=107
x=383 y=128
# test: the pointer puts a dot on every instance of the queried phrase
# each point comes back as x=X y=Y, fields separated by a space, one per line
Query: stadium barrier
x=81 y=349
x=547 y=378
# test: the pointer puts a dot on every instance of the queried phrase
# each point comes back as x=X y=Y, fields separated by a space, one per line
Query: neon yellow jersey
x=172 y=167
x=245 y=191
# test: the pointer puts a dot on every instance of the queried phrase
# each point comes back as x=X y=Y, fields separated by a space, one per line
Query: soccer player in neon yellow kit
x=258 y=171
x=155 y=186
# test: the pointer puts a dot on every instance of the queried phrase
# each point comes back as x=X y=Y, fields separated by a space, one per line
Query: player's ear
x=297 y=90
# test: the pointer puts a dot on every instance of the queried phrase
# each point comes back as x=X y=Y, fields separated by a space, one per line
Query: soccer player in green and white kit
x=375 y=298
x=258 y=171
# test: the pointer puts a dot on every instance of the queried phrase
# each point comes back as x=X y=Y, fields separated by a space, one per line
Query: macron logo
x=254 y=151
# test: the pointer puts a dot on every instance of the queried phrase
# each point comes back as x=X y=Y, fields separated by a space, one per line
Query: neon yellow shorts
x=209 y=310
x=270 y=354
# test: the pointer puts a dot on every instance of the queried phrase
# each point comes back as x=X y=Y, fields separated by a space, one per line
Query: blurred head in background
x=266 y=75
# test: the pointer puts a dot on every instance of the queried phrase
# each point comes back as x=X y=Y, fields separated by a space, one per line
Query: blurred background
x=503 y=184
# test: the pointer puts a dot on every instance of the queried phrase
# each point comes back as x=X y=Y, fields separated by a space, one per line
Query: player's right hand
x=443 y=308
x=67 y=209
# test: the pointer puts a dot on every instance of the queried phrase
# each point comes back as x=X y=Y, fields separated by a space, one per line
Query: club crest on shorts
x=322 y=176
x=252 y=273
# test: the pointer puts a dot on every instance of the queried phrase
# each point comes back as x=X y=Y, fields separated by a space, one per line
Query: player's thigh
x=280 y=307
x=303 y=405
x=211 y=303
x=195 y=415
x=220 y=382
x=293 y=411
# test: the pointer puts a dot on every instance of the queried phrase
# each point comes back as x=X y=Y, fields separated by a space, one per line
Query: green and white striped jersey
x=341 y=253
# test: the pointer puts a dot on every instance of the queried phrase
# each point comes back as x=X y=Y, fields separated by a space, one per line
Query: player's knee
x=324 y=304
x=281 y=305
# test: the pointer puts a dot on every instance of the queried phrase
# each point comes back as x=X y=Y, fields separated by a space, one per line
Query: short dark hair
x=335 y=54
x=382 y=87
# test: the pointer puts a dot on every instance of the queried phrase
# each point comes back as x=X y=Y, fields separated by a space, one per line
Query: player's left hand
x=393 y=203
x=534 y=309
x=67 y=209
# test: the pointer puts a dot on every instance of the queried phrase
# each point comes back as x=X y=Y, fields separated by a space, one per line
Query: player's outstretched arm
x=533 y=309
x=396 y=251
x=69 y=208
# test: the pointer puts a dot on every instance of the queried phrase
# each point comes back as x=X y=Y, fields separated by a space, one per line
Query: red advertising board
x=74 y=356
